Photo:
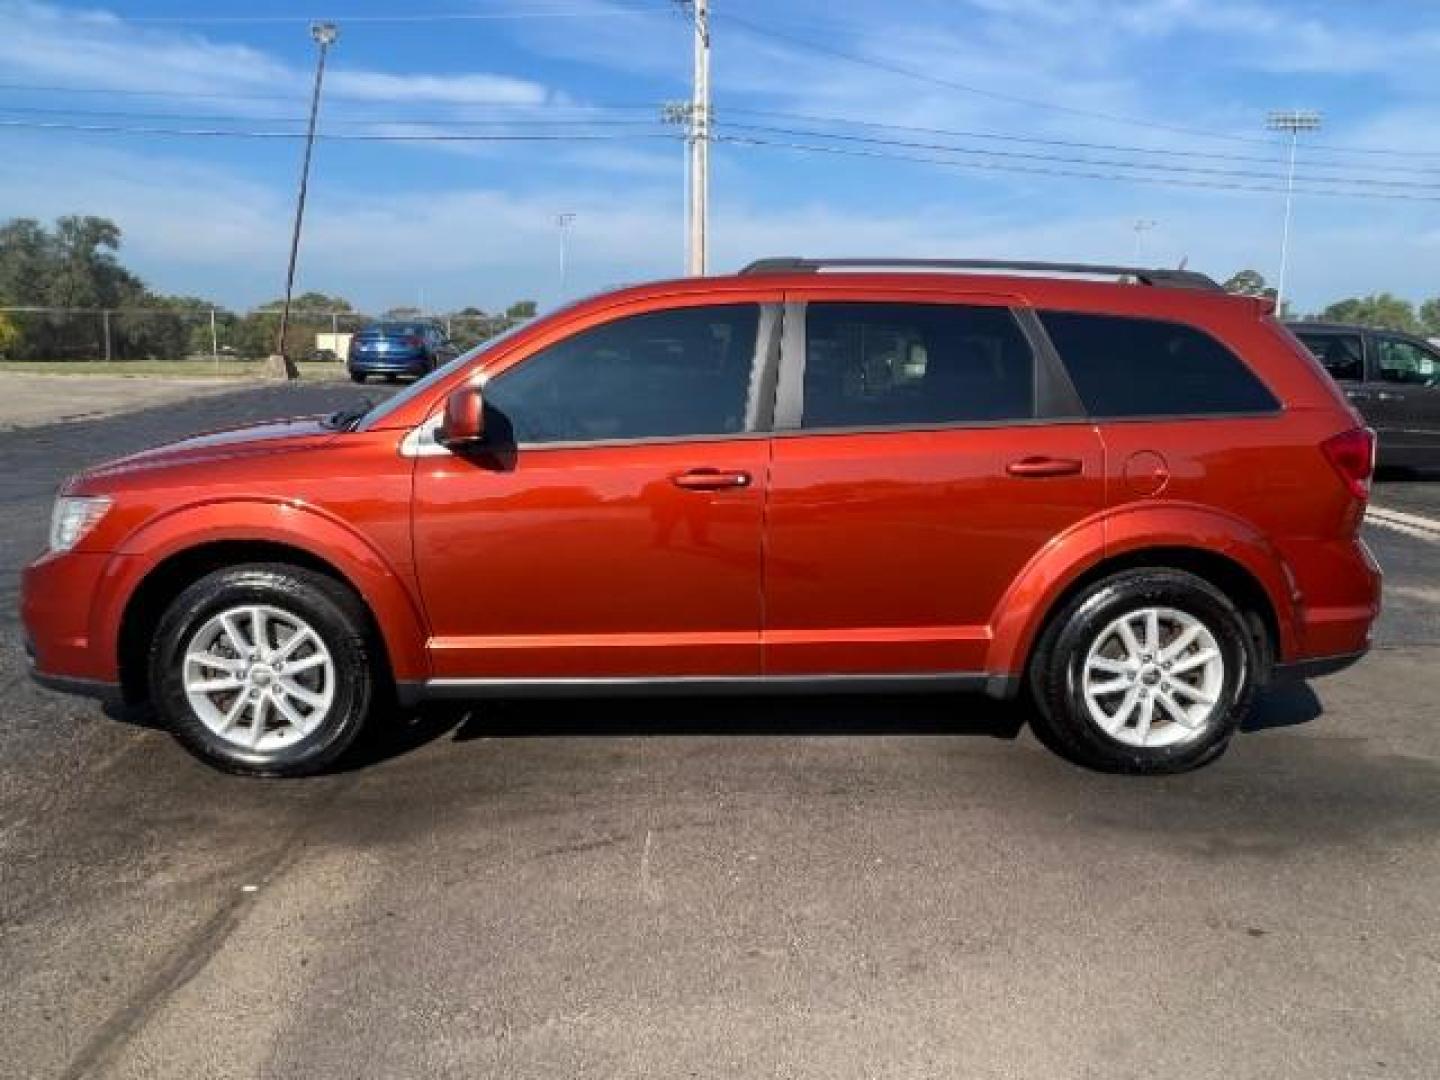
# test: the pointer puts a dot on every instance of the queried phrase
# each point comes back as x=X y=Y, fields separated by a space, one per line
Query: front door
x=923 y=467
x=611 y=526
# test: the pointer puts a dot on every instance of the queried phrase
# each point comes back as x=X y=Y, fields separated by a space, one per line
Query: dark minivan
x=1392 y=378
x=393 y=348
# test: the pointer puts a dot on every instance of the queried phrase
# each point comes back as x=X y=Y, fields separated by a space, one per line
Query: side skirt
x=998 y=686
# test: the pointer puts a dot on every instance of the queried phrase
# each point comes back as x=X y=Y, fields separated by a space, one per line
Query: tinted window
x=667 y=373
x=1401 y=361
x=870 y=365
x=1340 y=354
x=397 y=329
x=1147 y=367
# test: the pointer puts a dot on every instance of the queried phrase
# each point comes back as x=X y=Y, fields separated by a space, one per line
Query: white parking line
x=1421 y=528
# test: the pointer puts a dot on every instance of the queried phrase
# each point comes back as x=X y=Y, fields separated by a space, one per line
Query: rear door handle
x=710 y=480
x=1044 y=466
x=1386 y=395
x=1357 y=395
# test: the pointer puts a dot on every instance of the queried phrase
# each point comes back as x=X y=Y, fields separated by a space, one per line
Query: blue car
x=408 y=347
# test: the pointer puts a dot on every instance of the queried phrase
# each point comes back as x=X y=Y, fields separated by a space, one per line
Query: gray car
x=1392 y=378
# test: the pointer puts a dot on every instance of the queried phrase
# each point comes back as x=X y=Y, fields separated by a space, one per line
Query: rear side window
x=1340 y=354
x=898 y=365
x=1150 y=367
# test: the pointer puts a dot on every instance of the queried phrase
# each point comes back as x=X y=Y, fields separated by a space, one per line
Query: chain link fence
x=80 y=335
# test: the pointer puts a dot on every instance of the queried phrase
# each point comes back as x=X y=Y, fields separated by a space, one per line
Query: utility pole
x=1141 y=227
x=324 y=35
x=1293 y=121
x=698 y=210
x=564 y=221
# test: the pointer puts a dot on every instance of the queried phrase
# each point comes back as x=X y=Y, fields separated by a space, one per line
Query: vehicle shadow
x=783 y=716
x=1400 y=473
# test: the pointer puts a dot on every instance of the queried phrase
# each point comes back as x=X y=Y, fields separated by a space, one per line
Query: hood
x=273 y=436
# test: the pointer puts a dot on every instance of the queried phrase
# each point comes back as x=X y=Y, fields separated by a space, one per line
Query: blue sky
x=1180 y=87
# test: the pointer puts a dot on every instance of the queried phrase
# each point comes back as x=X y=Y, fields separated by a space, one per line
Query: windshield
x=376 y=416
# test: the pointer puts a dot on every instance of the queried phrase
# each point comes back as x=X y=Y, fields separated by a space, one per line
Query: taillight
x=1353 y=455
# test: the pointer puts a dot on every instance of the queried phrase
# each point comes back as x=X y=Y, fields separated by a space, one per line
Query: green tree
x=1430 y=316
x=1381 y=310
x=521 y=309
x=1248 y=283
x=310 y=314
x=9 y=335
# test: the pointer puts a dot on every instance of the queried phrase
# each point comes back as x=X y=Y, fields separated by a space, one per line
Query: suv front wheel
x=263 y=669
x=1148 y=671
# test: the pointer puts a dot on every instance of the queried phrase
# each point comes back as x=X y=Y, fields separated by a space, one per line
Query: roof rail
x=1169 y=279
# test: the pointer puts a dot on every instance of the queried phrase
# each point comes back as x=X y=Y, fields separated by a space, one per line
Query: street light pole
x=564 y=221
x=1141 y=227
x=324 y=35
x=1293 y=121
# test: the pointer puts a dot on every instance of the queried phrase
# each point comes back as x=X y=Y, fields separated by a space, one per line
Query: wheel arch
x=143 y=586
x=1218 y=549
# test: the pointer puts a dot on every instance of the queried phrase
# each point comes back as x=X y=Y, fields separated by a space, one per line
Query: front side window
x=664 y=374
x=1401 y=361
x=896 y=365
x=1340 y=354
x=1151 y=367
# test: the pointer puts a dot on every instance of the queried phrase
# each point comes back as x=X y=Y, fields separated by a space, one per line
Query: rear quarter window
x=1124 y=366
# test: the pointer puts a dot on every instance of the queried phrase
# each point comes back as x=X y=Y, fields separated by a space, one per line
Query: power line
x=1162 y=151
x=121 y=114
x=1246 y=174
x=595 y=12
x=1033 y=103
x=967 y=88
x=125 y=129
x=651 y=106
x=1214 y=185
x=498 y=103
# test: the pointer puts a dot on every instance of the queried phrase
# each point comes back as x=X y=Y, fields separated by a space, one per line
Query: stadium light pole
x=564 y=221
x=324 y=35
x=1141 y=227
x=1293 y=122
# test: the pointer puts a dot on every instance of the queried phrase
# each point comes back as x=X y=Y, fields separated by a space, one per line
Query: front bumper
x=56 y=597
x=1317 y=667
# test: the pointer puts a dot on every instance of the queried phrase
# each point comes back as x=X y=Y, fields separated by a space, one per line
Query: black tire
x=1063 y=720
x=328 y=607
x=357 y=376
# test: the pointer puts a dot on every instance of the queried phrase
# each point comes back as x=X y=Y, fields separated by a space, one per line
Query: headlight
x=73 y=517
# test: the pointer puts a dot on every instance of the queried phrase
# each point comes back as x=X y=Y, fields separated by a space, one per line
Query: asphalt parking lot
x=787 y=888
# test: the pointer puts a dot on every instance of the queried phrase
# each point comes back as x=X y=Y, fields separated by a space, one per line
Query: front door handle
x=1386 y=395
x=1044 y=466
x=1357 y=395
x=710 y=480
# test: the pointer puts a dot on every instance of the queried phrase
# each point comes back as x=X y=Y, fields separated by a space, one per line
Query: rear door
x=1342 y=354
x=1407 y=384
x=923 y=454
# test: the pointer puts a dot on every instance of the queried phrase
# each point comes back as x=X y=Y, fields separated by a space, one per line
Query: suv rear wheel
x=1148 y=671
x=263 y=669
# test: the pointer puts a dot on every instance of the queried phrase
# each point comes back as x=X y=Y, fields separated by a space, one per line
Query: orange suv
x=1134 y=500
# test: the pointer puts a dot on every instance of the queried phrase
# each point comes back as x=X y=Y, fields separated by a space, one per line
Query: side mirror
x=463 y=425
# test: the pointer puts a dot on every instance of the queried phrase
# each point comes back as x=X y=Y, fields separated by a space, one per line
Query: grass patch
x=175 y=369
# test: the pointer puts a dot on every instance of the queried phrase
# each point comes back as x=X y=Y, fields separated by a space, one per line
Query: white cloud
x=457 y=89
x=95 y=49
